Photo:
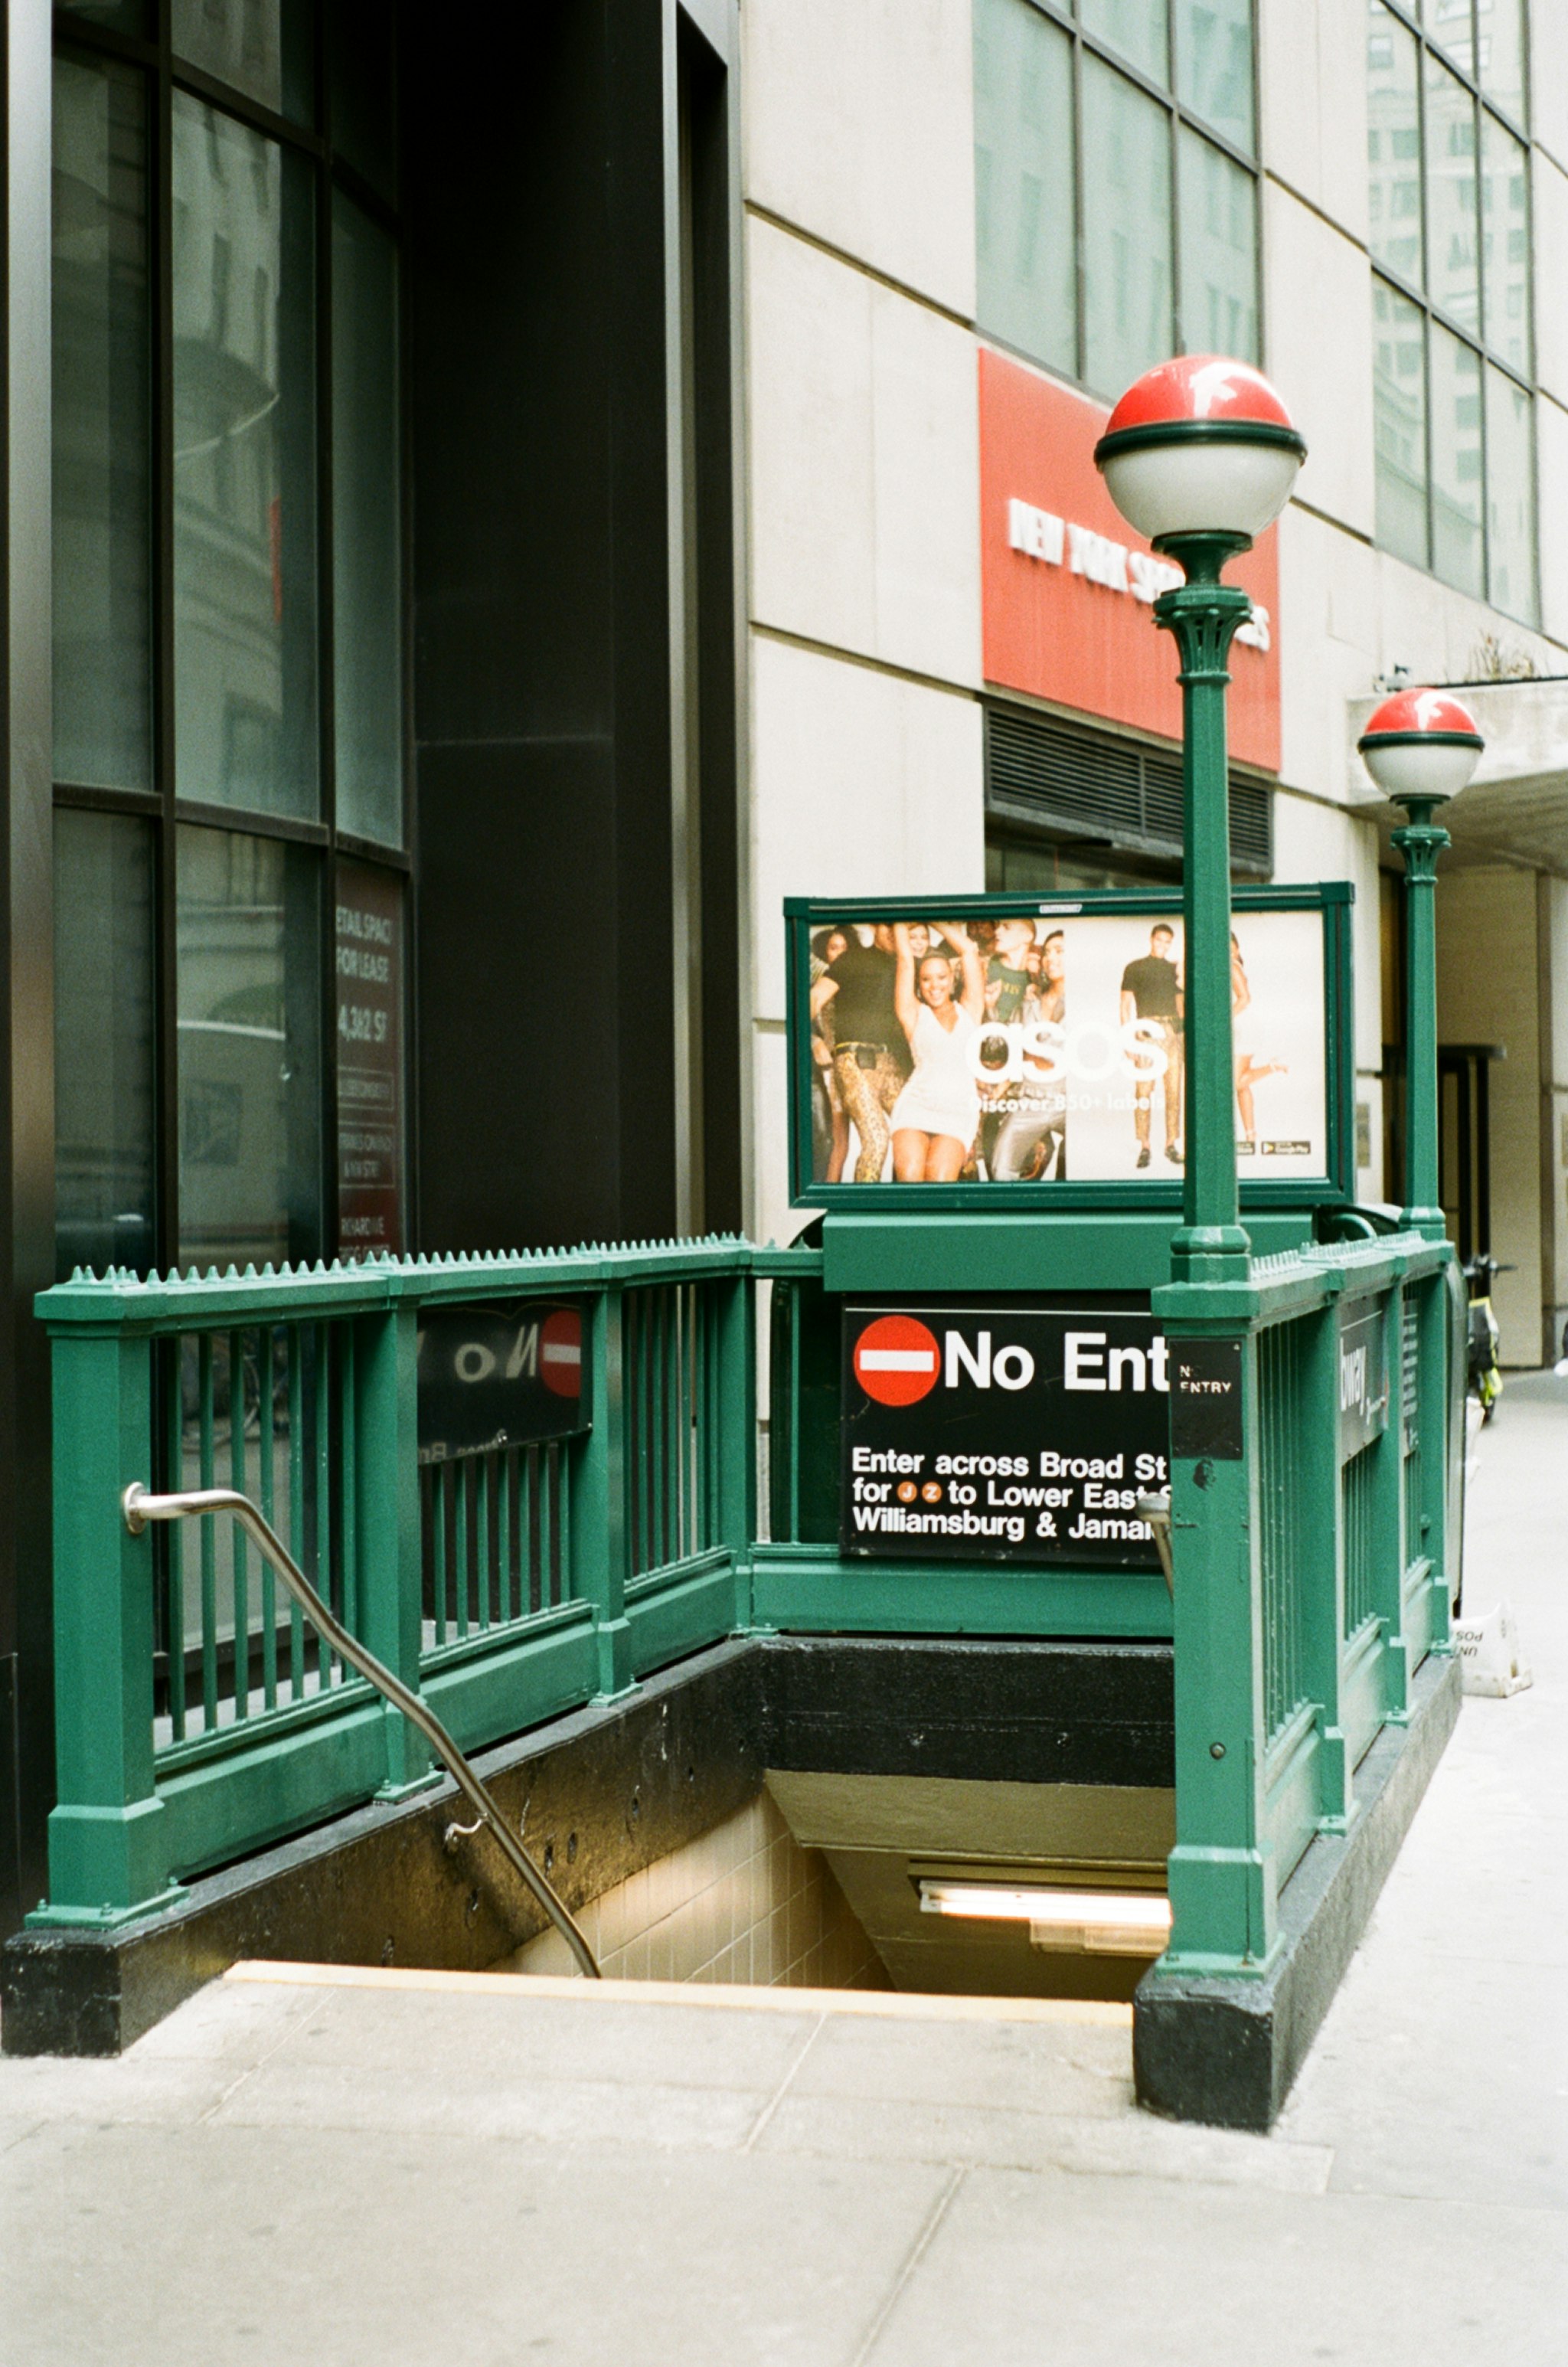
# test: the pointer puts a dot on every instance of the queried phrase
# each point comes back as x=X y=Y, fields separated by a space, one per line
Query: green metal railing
x=200 y=1712
x=1312 y=1576
x=201 y=1715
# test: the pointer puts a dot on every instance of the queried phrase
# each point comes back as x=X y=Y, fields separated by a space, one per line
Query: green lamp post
x=1421 y=747
x=1200 y=456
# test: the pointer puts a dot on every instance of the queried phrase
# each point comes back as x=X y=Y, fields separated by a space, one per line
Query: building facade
x=475 y=542
x=967 y=229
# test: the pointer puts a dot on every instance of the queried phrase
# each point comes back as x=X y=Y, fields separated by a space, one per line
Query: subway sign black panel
x=1001 y=1433
x=509 y=1374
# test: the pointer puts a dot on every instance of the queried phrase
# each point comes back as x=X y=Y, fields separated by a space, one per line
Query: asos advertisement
x=1046 y=1046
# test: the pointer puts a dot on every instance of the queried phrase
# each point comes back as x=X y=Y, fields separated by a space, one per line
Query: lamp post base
x=1209 y=1253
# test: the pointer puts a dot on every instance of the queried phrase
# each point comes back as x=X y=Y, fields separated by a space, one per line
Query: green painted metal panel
x=673 y=1616
x=808 y=1588
x=894 y=1253
x=507 y=1687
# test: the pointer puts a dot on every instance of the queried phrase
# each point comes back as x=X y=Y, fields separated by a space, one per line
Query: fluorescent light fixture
x=1094 y=1923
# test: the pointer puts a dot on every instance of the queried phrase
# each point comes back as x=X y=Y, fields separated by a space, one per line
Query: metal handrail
x=1156 y=1510
x=139 y=1506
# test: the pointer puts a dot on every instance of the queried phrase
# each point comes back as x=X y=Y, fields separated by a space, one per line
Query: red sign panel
x=1068 y=587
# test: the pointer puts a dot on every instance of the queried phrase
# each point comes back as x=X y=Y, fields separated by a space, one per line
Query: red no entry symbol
x=560 y=1353
x=897 y=1360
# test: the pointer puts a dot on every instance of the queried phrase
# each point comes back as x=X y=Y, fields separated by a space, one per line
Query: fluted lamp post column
x=1199 y=457
x=1421 y=748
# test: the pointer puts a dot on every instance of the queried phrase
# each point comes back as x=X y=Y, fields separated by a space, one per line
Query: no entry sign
x=1002 y=1433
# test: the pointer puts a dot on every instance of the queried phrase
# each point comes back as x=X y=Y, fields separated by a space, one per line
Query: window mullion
x=161 y=265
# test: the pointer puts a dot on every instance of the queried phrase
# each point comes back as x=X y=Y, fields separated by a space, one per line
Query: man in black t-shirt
x=1151 y=990
x=851 y=1003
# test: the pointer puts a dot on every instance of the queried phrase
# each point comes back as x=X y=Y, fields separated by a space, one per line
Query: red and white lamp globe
x=1200 y=446
x=1421 y=744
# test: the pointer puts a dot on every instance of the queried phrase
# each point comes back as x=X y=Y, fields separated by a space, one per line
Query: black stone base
x=600 y=1794
x=1227 y=2052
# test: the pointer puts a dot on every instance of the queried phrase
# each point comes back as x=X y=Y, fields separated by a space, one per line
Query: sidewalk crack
x=912 y=2259
x=782 y=2090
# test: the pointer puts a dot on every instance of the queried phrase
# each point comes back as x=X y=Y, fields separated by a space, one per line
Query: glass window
x=1510 y=499
x=103 y=650
x=1451 y=275
x=1400 y=404
x=1127 y=313
x=1501 y=53
x=244 y=467
x=1394 y=144
x=1506 y=257
x=262 y=46
x=249 y=990
x=104 y=1022
x=367 y=929
x=366 y=540
x=1214 y=64
x=1456 y=462
x=362 y=87
x=1219 y=247
x=1449 y=24
x=121 y=15
x=1024 y=179
x=1139 y=29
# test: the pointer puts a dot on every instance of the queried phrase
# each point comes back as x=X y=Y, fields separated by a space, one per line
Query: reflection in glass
x=1399 y=396
x=1219 y=252
x=367 y=544
x=103 y=999
x=1139 y=28
x=249 y=990
x=1452 y=276
x=1449 y=21
x=1501 y=53
x=1023 y=181
x=361 y=77
x=103 y=662
x=1128 y=323
x=1504 y=229
x=1510 y=499
x=1214 y=64
x=1456 y=462
x=262 y=46
x=244 y=468
x=1393 y=145
x=121 y=15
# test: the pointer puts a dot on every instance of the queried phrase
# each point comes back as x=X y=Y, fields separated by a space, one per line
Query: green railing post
x=734 y=1444
x=385 y=1485
x=1221 y=1871
x=598 y=1534
x=106 y=1846
x=1440 y=1313
x=1402 y=1650
x=1323 y=1564
x=1203 y=613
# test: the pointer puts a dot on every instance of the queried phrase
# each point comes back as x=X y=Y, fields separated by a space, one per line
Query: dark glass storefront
x=228 y=644
x=382 y=888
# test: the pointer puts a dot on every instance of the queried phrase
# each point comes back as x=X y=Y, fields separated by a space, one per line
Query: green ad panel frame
x=1332 y=899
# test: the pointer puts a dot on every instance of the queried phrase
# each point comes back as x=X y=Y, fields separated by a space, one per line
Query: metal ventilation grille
x=1088 y=785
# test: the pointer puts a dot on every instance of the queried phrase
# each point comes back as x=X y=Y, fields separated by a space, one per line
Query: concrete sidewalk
x=351 y=2173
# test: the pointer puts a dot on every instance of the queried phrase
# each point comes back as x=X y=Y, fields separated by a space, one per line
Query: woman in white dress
x=940 y=999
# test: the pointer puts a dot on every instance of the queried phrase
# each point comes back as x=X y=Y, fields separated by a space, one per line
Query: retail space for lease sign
x=1067 y=591
x=942 y=1051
